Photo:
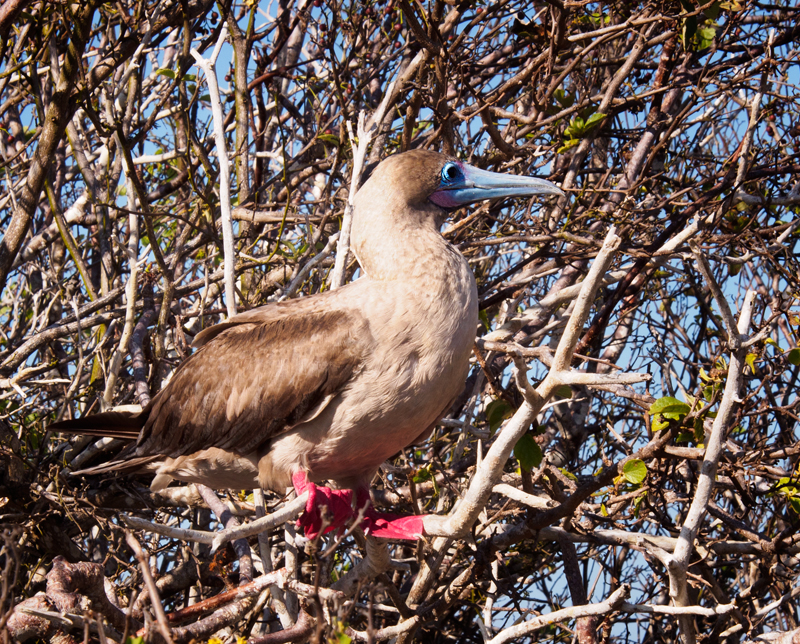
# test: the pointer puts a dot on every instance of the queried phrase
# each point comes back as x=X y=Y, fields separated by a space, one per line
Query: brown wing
x=258 y=375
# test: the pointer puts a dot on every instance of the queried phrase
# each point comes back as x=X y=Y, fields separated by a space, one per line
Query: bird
x=327 y=387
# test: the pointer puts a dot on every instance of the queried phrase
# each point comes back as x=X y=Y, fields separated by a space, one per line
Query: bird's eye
x=450 y=173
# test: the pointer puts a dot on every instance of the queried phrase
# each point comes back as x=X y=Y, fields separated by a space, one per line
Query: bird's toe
x=390 y=526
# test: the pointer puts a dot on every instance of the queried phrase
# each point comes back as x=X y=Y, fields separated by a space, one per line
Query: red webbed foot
x=389 y=526
x=338 y=508
x=337 y=505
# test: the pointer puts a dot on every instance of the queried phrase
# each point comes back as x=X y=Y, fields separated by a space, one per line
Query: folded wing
x=254 y=377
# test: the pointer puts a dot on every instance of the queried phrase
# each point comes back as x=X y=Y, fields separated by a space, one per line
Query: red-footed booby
x=329 y=386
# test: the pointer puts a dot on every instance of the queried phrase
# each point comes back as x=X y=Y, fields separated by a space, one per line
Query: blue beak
x=472 y=184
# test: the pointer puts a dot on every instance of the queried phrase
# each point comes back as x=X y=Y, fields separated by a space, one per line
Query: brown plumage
x=329 y=386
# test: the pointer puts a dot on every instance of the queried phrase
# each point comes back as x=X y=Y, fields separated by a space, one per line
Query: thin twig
x=155 y=600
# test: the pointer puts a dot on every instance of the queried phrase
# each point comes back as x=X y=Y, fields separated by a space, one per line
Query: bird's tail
x=114 y=424
x=136 y=465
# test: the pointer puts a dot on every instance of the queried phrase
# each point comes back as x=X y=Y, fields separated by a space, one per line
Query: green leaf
x=699 y=430
x=735 y=268
x=564 y=99
x=787 y=487
x=330 y=138
x=496 y=412
x=705 y=37
x=637 y=502
x=782 y=483
x=794 y=356
x=528 y=453
x=564 y=391
x=574 y=129
x=571 y=143
x=659 y=424
x=134 y=640
x=669 y=407
x=634 y=471
x=166 y=72
x=484 y=318
x=568 y=474
x=422 y=474
x=341 y=638
x=593 y=120
x=784 y=486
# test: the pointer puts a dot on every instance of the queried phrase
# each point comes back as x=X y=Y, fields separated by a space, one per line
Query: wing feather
x=254 y=378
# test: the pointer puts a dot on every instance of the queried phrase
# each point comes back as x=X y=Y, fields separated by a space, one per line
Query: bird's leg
x=337 y=503
x=388 y=526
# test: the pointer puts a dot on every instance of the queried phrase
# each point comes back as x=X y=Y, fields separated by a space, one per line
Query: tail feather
x=125 y=465
x=114 y=424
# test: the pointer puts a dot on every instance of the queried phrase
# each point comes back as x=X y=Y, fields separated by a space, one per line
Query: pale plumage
x=328 y=387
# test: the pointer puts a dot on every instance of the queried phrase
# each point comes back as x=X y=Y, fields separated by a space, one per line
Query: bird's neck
x=392 y=241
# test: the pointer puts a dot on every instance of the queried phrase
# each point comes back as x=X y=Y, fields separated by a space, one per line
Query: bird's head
x=399 y=211
x=423 y=177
